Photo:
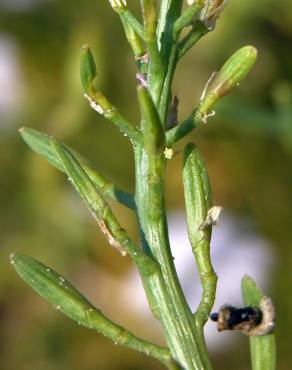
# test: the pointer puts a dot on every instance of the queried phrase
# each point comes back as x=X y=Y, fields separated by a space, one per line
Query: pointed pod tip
x=245 y=277
x=251 y=49
x=26 y=132
x=15 y=258
x=85 y=47
x=23 y=131
x=250 y=53
x=233 y=71
x=12 y=258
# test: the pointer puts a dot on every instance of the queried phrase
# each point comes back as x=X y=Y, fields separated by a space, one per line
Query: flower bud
x=233 y=71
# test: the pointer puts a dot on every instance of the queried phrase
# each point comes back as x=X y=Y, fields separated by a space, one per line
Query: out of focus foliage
x=248 y=149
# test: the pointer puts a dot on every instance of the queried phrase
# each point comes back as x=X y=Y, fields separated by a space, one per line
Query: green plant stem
x=175 y=314
x=186 y=18
x=135 y=42
x=195 y=34
x=128 y=18
x=155 y=72
x=180 y=131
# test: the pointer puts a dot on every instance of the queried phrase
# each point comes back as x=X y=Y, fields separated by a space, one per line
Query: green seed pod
x=200 y=218
x=229 y=76
x=198 y=195
x=87 y=69
x=53 y=287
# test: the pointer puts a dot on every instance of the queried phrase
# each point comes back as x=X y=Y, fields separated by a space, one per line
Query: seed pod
x=53 y=287
x=229 y=76
x=198 y=195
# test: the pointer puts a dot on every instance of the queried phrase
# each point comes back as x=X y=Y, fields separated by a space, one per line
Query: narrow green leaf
x=153 y=132
x=129 y=18
x=135 y=41
x=40 y=143
x=229 y=76
x=263 y=348
x=170 y=11
x=78 y=177
x=155 y=73
x=106 y=220
x=53 y=287
x=68 y=300
x=187 y=17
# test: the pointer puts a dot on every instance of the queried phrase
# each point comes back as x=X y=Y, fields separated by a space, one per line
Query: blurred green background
x=247 y=147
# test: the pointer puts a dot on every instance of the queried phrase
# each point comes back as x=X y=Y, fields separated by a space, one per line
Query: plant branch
x=180 y=131
x=155 y=72
x=186 y=18
x=175 y=315
x=98 y=101
x=127 y=16
x=195 y=34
